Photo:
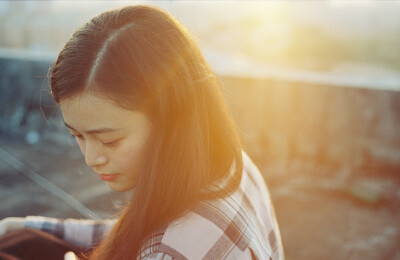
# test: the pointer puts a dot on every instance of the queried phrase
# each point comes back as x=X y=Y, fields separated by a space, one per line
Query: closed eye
x=77 y=136
x=110 y=143
x=114 y=142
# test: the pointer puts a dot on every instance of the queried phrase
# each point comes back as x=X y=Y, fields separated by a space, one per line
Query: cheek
x=128 y=158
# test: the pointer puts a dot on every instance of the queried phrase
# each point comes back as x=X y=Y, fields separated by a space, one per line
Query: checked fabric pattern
x=241 y=226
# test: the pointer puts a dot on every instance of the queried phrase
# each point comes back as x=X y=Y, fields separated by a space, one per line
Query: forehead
x=87 y=111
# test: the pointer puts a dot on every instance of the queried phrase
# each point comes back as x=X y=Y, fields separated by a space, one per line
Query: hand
x=10 y=224
x=70 y=256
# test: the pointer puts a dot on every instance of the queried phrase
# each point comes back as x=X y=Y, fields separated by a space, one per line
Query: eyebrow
x=94 y=131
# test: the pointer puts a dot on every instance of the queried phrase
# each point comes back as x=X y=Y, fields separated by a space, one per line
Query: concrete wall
x=286 y=125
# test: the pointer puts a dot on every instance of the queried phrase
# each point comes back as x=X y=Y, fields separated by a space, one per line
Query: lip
x=108 y=177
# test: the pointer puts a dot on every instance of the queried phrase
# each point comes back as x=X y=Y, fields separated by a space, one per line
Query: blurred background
x=314 y=87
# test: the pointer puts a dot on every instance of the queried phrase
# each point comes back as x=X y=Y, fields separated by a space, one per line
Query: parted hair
x=142 y=58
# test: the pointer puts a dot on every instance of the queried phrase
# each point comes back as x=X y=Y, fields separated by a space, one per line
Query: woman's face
x=111 y=138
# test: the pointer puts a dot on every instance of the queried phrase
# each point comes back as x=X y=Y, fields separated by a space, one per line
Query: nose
x=93 y=155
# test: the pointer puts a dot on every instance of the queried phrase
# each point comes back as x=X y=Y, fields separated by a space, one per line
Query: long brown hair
x=142 y=58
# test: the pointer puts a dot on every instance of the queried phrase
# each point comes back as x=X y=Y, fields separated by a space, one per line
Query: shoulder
x=226 y=228
x=210 y=231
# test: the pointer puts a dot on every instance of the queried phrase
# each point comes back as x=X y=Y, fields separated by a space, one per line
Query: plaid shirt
x=241 y=226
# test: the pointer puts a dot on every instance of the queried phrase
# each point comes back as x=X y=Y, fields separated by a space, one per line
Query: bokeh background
x=314 y=87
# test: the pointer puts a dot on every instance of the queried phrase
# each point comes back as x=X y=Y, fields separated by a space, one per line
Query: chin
x=120 y=188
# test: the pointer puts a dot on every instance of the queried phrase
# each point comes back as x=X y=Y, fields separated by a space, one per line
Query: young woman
x=148 y=115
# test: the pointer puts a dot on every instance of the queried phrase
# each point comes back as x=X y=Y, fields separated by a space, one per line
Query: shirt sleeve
x=84 y=233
